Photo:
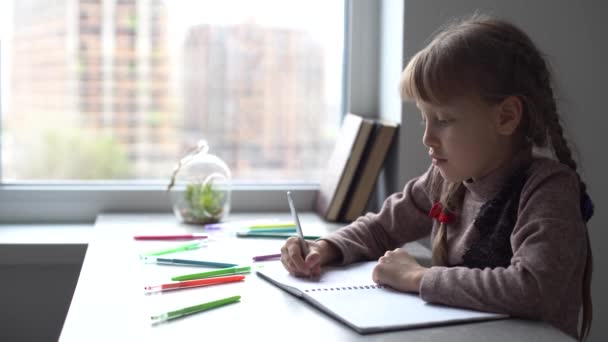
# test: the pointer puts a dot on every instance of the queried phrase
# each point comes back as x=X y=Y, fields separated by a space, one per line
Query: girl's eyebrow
x=425 y=113
x=426 y=108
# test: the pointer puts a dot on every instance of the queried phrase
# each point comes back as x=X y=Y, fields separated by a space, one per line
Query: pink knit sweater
x=544 y=278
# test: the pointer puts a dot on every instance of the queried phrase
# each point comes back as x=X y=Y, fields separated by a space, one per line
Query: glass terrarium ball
x=201 y=187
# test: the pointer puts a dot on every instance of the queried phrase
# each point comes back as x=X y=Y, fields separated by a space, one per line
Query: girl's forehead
x=432 y=107
x=457 y=102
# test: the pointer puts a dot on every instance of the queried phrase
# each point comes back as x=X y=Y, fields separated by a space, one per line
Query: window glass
x=121 y=89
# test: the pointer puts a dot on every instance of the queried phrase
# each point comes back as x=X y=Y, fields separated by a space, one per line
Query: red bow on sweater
x=441 y=216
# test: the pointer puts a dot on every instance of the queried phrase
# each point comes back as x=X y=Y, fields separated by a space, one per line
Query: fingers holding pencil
x=320 y=254
x=295 y=263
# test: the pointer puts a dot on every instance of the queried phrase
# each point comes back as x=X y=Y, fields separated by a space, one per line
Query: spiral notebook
x=349 y=295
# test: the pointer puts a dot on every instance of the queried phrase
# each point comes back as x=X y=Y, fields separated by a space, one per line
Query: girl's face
x=463 y=138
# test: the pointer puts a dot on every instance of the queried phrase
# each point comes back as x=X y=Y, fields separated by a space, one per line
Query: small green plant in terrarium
x=200 y=187
x=205 y=203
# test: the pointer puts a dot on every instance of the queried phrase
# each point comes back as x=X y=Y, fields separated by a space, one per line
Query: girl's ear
x=509 y=113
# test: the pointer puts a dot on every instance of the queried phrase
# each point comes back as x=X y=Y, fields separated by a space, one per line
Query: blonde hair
x=494 y=59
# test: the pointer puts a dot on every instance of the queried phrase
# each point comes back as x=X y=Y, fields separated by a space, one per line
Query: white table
x=109 y=303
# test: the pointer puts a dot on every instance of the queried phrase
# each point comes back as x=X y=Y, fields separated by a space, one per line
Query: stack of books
x=353 y=168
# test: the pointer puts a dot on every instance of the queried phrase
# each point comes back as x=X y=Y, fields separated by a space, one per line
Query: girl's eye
x=443 y=122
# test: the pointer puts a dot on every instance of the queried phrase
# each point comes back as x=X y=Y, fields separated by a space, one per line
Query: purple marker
x=266 y=257
x=212 y=226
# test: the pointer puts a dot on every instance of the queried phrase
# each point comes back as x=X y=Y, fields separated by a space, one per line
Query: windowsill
x=45 y=234
x=46 y=205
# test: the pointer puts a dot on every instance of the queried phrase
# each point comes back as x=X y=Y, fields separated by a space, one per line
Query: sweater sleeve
x=402 y=218
x=549 y=251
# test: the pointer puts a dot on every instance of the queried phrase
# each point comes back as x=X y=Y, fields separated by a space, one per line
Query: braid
x=439 y=254
x=560 y=146
x=564 y=155
x=449 y=194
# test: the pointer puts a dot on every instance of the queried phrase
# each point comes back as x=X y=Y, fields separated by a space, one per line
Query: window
x=137 y=83
x=29 y=199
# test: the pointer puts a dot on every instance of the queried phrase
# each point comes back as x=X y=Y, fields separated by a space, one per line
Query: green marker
x=214 y=273
x=193 y=309
x=273 y=235
x=181 y=248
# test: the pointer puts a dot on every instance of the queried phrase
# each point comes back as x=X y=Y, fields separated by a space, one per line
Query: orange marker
x=194 y=283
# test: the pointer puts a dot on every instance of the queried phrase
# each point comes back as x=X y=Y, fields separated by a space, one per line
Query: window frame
x=81 y=202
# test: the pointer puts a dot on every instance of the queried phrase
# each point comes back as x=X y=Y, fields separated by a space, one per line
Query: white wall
x=572 y=35
x=363 y=68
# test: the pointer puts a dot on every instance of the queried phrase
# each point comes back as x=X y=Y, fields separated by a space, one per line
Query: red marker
x=170 y=237
x=194 y=283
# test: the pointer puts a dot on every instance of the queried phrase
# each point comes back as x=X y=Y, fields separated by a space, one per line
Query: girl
x=507 y=228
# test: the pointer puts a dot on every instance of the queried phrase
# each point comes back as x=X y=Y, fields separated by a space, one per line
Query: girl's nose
x=429 y=139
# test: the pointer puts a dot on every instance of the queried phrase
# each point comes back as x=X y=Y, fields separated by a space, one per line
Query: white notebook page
x=350 y=295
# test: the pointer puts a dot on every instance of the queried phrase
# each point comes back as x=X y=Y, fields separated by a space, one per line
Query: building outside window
x=115 y=90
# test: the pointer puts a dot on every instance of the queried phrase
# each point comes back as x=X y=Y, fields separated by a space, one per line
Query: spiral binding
x=346 y=288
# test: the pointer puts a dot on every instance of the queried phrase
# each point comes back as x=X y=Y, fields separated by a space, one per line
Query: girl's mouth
x=438 y=161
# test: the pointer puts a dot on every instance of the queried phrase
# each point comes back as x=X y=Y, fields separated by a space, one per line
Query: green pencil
x=214 y=273
x=181 y=248
x=193 y=309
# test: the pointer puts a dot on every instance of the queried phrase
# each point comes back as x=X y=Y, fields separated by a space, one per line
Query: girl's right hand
x=320 y=253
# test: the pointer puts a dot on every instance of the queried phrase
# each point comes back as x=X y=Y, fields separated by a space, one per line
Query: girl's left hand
x=399 y=270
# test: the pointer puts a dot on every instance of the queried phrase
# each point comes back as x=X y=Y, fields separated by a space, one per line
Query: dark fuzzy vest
x=495 y=222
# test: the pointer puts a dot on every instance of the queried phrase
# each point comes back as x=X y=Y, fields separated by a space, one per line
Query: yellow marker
x=286 y=224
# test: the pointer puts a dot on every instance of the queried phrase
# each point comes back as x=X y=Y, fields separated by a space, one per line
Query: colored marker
x=181 y=248
x=193 y=283
x=214 y=273
x=185 y=262
x=170 y=237
x=266 y=257
x=272 y=225
x=261 y=223
x=216 y=225
x=193 y=309
x=274 y=230
x=275 y=235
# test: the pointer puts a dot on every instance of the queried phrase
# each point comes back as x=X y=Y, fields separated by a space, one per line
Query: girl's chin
x=450 y=177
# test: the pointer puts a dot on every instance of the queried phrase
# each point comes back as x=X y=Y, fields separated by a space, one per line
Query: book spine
x=369 y=171
x=337 y=163
x=359 y=173
x=339 y=197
